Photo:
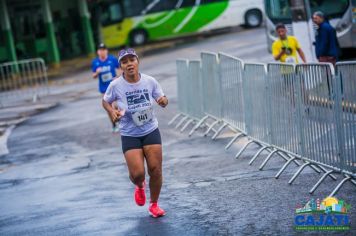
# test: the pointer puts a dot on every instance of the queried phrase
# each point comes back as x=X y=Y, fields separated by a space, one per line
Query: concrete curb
x=7 y=124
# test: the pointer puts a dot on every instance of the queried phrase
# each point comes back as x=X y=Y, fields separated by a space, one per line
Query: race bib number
x=291 y=60
x=106 y=77
x=142 y=117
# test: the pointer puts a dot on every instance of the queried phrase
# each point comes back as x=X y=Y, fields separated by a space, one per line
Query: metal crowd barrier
x=255 y=79
x=211 y=92
x=23 y=79
x=182 y=92
x=194 y=88
x=264 y=117
x=346 y=116
x=208 y=84
x=318 y=126
x=211 y=85
x=256 y=123
x=231 y=76
x=347 y=71
x=190 y=92
x=284 y=111
x=305 y=114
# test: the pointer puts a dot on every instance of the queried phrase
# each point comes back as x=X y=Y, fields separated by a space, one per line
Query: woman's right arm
x=109 y=97
x=115 y=115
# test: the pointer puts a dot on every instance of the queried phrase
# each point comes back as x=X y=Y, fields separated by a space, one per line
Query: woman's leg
x=153 y=154
x=135 y=163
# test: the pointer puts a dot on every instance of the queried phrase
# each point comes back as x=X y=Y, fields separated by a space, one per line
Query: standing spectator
x=326 y=44
x=285 y=48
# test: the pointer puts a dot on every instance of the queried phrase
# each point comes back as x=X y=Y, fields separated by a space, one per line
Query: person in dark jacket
x=326 y=44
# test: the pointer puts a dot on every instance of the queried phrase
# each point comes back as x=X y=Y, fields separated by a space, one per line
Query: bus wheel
x=253 y=18
x=138 y=37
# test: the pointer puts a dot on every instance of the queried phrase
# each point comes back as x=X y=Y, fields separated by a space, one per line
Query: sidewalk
x=70 y=81
x=83 y=63
x=65 y=88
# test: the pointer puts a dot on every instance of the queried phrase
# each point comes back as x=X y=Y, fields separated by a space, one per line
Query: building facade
x=52 y=30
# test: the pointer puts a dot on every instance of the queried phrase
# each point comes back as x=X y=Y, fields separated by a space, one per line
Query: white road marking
x=3 y=140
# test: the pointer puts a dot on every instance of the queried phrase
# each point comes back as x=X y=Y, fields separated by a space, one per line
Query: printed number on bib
x=106 y=77
x=291 y=60
x=142 y=117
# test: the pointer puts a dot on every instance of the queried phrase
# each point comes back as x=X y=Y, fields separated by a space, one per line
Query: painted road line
x=3 y=140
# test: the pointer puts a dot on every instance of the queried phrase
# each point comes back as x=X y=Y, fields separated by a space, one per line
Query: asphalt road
x=65 y=173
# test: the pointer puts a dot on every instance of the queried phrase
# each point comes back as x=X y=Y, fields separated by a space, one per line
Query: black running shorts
x=129 y=143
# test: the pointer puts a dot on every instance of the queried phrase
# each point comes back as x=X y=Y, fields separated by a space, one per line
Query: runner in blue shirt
x=105 y=68
x=136 y=94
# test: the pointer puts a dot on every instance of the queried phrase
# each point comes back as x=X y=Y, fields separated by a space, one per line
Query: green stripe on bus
x=204 y=15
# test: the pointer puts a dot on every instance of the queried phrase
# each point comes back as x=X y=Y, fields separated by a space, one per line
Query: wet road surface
x=65 y=173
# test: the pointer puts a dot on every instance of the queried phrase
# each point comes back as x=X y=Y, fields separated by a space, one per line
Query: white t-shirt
x=137 y=100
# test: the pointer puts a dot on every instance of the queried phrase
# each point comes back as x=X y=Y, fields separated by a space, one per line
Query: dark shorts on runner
x=129 y=143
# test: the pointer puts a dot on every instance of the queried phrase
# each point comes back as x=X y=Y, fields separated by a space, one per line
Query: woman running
x=135 y=94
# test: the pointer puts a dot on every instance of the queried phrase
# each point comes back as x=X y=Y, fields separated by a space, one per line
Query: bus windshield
x=279 y=10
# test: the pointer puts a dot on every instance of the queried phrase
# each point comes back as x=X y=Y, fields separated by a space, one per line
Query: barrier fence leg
x=257 y=154
x=181 y=122
x=174 y=118
x=298 y=172
x=337 y=188
x=35 y=97
x=198 y=125
x=187 y=124
x=267 y=159
x=233 y=140
x=243 y=149
x=211 y=127
x=316 y=168
x=219 y=131
x=289 y=156
x=320 y=181
x=325 y=170
x=284 y=167
x=282 y=156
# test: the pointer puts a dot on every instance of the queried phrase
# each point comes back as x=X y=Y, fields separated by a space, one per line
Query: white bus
x=341 y=14
x=134 y=22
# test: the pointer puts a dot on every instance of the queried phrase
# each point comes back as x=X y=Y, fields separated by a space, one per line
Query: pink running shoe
x=140 y=195
x=155 y=211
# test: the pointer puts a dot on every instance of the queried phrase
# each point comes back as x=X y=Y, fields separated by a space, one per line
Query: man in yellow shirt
x=285 y=48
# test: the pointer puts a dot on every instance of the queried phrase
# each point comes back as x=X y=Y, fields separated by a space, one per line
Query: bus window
x=330 y=8
x=111 y=13
x=211 y=1
x=278 y=9
x=160 y=5
x=133 y=8
x=187 y=3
